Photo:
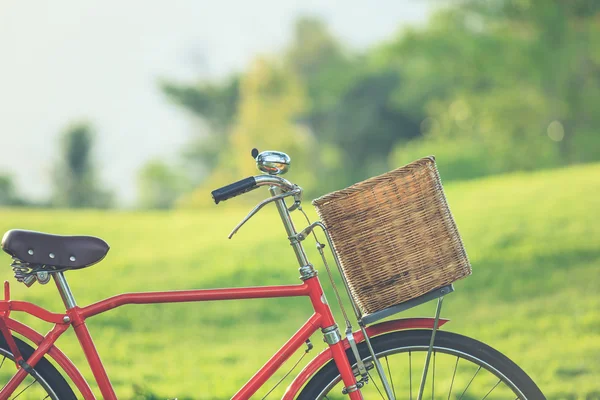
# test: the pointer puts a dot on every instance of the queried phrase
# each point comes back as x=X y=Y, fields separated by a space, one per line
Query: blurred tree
x=8 y=193
x=512 y=83
x=320 y=63
x=490 y=86
x=216 y=105
x=559 y=40
x=75 y=181
x=270 y=97
x=159 y=185
x=349 y=105
x=365 y=125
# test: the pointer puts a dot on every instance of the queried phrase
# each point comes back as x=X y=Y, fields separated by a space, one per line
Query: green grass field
x=533 y=240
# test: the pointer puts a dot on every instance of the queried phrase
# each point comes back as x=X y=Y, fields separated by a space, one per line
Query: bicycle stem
x=289 y=228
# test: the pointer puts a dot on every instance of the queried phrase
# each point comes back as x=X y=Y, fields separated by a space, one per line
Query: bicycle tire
x=325 y=383
x=49 y=380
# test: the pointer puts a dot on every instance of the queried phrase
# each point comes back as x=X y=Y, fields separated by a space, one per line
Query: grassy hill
x=533 y=239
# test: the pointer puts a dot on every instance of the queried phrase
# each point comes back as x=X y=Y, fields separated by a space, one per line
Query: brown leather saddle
x=61 y=252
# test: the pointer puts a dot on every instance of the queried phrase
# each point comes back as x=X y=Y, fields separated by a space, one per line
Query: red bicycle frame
x=75 y=316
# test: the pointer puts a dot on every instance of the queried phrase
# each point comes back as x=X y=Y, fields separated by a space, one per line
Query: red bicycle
x=410 y=356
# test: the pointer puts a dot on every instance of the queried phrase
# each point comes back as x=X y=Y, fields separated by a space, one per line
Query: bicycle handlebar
x=248 y=184
x=234 y=189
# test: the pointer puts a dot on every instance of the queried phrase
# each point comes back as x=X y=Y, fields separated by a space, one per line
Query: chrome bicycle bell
x=272 y=162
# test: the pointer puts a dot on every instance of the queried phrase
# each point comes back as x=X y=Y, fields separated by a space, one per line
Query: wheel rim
x=454 y=391
x=33 y=387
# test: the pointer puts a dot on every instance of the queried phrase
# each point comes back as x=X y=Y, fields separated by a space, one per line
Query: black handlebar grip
x=234 y=189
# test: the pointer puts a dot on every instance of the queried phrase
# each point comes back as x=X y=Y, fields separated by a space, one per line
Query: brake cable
x=362 y=368
x=297 y=191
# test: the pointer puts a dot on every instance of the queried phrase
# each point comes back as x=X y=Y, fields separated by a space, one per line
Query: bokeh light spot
x=429 y=124
x=459 y=110
x=556 y=131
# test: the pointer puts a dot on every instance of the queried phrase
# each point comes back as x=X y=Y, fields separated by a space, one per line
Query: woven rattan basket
x=394 y=236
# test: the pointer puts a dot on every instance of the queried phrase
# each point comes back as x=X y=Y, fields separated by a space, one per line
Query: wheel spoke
x=390 y=374
x=26 y=387
x=453 y=376
x=480 y=375
x=492 y=389
x=410 y=373
x=375 y=384
x=433 y=378
x=471 y=381
x=42 y=382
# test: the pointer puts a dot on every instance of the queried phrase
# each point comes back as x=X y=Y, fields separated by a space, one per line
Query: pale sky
x=69 y=60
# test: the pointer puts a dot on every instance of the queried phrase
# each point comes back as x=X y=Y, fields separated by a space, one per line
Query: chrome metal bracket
x=369 y=365
x=362 y=370
x=386 y=386
x=307 y=271
x=303 y=234
x=331 y=334
x=428 y=358
x=43 y=277
x=386 y=312
x=352 y=388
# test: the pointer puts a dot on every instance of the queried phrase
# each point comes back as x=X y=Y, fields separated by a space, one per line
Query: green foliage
x=267 y=89
x=75 y=180
x=532 y=239
x=365 y=126
x=217 y=105
x=319 y=61
x=471 y=141
x=159 y=185
x=514 y=82
x=349 y=105
x=8 y=193
x=494 y=86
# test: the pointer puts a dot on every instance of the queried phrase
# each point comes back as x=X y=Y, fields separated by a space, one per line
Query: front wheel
x=460 y=368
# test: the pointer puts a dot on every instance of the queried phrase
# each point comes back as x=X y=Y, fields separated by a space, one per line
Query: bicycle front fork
x=339 y=355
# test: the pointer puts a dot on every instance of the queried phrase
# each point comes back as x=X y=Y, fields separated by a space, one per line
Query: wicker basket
x=395 y=236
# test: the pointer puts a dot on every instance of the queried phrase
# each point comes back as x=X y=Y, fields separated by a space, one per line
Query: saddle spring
x=27 y=273
x=23 y=271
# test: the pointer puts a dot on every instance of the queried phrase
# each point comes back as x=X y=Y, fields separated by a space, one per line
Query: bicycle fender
x=375 y=330
x=56 y=354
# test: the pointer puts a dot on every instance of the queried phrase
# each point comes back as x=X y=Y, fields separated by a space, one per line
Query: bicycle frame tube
x=311 y=288
x=58 y=356
x=195 y=295
x=37 y=355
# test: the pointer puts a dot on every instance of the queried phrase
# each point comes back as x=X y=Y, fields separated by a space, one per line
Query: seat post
x=64 y=290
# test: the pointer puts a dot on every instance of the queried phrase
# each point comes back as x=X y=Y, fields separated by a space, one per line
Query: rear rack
x=386 y=312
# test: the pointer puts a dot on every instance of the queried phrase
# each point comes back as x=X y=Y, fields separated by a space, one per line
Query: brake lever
x=297 y=199
x=263 y=203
